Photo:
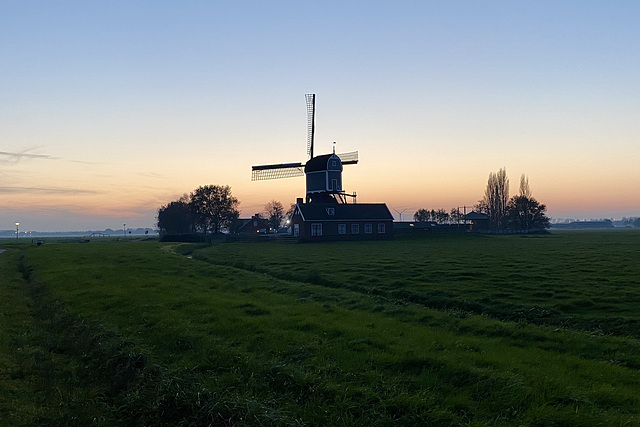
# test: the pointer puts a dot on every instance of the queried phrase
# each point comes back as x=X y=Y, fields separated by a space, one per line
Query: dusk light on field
x=110 y=110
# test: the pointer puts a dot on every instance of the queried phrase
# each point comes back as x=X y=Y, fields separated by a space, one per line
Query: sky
x=111 y=109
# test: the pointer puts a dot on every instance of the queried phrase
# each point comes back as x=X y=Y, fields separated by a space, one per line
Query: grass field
x=444 y=330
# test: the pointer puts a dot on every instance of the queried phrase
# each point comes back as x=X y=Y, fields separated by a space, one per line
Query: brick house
x=341 y=221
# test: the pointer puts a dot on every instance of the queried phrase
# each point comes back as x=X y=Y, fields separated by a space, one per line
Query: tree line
x=210 y=209
x=439 y=216
x=206 y=210
x=520 y=212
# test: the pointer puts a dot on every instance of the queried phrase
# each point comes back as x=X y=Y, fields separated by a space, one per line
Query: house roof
x=344 y=212
x=241 y=223
x=475 y=216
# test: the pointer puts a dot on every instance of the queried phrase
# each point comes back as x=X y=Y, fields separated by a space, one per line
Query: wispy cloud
x=84 y=162
x=8 y=157
x=151 y=174
x=45 y=190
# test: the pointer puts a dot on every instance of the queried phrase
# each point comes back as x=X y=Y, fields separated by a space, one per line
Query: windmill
x=323 y=173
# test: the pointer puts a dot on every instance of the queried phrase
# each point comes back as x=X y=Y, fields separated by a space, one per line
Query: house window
x=355 y=228
x=342 y=228
x=333 y=163
x=381 y=228
x=368 y=229
x=331 y=211
x=316 y=229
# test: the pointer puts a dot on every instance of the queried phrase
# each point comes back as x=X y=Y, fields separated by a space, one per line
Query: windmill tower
x=323 y=173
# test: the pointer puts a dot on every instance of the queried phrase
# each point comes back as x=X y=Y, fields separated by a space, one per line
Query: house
x=252 y=225
x=479 y=221
x=341 y=221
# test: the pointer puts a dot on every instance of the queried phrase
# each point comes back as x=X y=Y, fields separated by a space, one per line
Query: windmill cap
x=321 y=163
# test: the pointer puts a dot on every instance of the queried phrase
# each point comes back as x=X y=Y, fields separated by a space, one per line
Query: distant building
x=584 y=225
x=477 y=221
x=253 y=225
x=341 y=221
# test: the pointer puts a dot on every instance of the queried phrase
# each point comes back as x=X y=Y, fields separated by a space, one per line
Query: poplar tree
x=496 y=198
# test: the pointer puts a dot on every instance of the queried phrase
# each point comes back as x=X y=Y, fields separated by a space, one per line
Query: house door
x=296 y=230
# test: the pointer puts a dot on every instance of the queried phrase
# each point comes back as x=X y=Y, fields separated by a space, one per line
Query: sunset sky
x=109 y=109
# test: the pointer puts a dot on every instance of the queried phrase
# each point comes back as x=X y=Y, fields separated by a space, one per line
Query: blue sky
x=111 y=109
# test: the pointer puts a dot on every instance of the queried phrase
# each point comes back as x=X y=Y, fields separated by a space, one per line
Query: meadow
x=443 y=329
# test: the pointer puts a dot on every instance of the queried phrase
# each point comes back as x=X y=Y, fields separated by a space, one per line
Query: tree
x=422 y=215
x=440 y=216
x=175 y=218
x=525 y=213
x=213 y=207
x=289 y=213
x=275 y=214
x=496 y=197
x=524 y=186
x=456 y=216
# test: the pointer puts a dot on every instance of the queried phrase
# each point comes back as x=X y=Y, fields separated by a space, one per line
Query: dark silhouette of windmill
x=323 y=173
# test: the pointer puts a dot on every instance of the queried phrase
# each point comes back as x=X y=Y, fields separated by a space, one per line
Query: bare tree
x=496 y=197
x=456 y=216
x=441 y=216
x=289 y=212
x=422 y=215
x=275 y=214
x=525 y=191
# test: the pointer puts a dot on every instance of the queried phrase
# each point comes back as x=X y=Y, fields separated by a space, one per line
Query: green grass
x=448 y=330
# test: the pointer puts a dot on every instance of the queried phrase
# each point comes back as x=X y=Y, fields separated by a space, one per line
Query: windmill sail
x=311 y=122
x=350 y=158
x=282 y=170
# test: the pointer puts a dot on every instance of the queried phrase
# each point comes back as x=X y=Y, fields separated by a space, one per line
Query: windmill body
x=323 y=173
